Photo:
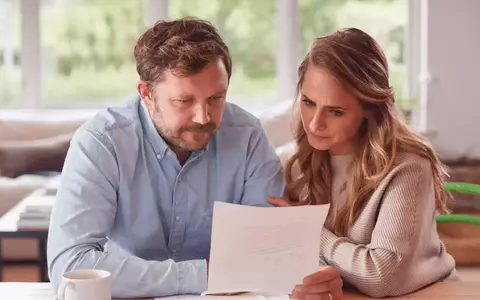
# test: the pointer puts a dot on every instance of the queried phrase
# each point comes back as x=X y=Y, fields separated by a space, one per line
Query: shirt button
x=159 y=156
x=177 y=218
x=174 y=250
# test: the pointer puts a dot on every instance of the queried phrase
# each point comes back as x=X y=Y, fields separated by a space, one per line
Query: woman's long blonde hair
x=358 y=62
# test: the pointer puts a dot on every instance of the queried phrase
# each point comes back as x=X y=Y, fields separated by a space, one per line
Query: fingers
x=278 y=202
x=337 y=292
x=312 y=297
x=323 y=296
x=326 y=284
x=324 y=274
x=335 y=289
x=297 y=293
x=323 y=287
x=316 y=288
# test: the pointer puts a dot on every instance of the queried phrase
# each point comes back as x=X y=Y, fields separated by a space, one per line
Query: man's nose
x=201 y=114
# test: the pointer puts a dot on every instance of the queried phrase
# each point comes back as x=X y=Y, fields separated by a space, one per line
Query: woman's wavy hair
x=358 y=62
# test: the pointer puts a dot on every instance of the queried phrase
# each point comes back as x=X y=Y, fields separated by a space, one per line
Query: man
x=139 y=181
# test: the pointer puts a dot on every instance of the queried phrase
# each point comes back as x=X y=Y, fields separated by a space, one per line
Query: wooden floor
x=29 y=273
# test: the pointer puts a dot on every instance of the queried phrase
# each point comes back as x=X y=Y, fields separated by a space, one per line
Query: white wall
x=453 y=62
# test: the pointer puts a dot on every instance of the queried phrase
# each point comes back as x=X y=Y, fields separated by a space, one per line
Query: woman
x=384 y=182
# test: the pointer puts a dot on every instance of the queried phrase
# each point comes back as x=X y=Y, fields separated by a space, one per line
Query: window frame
x=287 y=54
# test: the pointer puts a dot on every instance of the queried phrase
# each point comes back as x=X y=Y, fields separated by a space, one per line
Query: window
x=10 y=74
x=248 y=28
x=86 y=45
x=87 y=51
x=384 y=20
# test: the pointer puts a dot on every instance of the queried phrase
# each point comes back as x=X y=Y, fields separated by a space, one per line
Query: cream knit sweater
x=393 y=248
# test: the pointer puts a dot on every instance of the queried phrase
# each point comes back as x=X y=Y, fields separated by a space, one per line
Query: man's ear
x=145 y=93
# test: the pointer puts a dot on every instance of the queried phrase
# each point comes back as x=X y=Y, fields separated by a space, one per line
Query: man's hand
x=325 y=284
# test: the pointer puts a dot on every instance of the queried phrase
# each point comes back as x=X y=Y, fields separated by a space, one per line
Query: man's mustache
x=209 y=127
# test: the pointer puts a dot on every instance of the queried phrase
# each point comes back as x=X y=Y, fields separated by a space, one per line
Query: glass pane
x=10 y=76
x=87 y=48
x=384 y=20
x=248 y=28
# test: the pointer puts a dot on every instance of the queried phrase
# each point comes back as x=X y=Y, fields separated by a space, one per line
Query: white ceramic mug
x=85 y=284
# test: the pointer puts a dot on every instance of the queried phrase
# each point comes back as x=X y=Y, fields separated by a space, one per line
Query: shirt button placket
x=178 y=209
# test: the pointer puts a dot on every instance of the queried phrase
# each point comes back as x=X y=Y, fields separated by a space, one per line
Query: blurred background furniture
x=461 y=231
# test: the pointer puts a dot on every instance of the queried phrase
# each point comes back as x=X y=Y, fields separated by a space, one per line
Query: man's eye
x=216 y=98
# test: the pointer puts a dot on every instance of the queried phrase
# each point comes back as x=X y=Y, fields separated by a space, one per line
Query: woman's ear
x=368 y=114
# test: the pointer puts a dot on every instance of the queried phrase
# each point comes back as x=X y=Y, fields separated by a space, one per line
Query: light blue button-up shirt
x=126 y=205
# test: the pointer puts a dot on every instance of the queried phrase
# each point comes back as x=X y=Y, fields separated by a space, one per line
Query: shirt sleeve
x=264 y=173
x=84 y=214
x=374 y=268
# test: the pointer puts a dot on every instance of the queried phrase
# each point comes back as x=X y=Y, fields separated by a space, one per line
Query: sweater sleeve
x=374 y=268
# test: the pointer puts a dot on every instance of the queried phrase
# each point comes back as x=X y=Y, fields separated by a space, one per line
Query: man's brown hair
x=183 y=46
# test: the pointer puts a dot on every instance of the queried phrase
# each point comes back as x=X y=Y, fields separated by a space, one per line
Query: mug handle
x=62 y=288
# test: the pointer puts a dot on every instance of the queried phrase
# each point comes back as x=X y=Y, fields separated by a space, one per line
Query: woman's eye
x=336 y=113
x=308 y=102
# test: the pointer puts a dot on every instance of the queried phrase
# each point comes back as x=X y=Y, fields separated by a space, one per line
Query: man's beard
x=173 y=138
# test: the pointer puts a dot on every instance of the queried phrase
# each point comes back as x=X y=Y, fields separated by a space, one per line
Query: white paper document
x=243 y=296
x=265 y=250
